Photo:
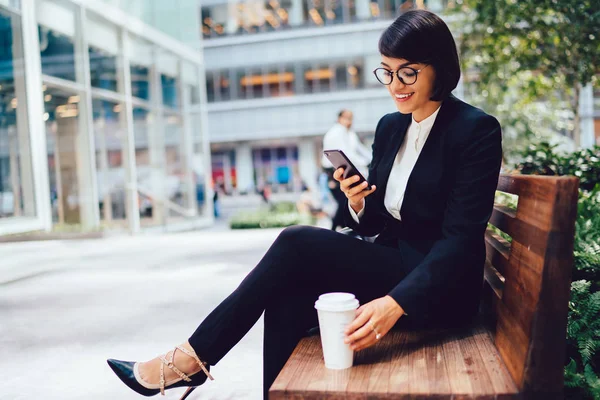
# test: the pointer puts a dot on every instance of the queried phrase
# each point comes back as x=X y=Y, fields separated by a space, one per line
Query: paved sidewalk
x=66 y=306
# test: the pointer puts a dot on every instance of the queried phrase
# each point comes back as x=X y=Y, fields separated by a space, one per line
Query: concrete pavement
x=66 y=306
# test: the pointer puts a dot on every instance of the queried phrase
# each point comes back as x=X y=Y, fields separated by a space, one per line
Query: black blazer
x=446 y=207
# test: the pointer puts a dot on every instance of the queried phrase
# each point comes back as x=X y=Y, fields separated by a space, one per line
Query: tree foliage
x=547 y=49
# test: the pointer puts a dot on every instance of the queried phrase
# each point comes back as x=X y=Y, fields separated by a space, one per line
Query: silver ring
x=378 y=336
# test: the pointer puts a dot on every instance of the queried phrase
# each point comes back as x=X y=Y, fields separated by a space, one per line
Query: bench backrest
x=528 y=279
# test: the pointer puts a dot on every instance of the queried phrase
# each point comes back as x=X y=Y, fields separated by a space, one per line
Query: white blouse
x=405 y=161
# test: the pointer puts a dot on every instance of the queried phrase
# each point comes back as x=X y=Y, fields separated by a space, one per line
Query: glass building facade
x=101 y=121
x=242 y=17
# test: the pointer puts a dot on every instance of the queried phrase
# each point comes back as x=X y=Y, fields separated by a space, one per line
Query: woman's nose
x=397 y=85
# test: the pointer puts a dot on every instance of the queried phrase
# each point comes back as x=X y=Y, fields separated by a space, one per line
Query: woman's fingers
x=353 y=191
x=359 y=321
x=359 y=334
x=358 y=193
x=367 y=341
x=337 y=175
x=346 y=183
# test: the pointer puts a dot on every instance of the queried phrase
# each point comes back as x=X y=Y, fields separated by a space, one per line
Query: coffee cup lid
x=336 y=302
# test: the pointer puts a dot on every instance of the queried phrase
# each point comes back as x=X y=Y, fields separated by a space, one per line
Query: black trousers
x=301 y=264
x=340 y=199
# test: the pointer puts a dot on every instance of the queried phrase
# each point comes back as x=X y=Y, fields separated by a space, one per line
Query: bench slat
x=497 y=251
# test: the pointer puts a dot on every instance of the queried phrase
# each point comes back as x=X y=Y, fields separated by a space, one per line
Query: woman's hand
x=377 y=316
x=356 y=195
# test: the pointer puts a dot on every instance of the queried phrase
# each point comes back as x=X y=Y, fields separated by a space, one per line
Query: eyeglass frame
x=416 y=71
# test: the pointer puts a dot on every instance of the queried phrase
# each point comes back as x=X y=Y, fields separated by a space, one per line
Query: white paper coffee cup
x=336 y=311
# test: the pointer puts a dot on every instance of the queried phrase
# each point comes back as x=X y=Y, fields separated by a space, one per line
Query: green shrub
x=583 y=342
x=278 y=216
x=543 y=159
x=284 y=207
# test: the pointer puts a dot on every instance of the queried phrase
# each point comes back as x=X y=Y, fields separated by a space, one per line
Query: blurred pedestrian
x=341 y=137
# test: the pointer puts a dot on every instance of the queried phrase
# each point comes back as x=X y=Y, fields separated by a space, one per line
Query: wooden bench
x=516 y=351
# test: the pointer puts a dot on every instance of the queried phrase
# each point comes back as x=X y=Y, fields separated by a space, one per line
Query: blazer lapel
x=425 y=159
x=390 y=155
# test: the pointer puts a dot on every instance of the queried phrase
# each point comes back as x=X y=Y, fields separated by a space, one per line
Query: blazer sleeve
x=468 y=210
x=371 y=222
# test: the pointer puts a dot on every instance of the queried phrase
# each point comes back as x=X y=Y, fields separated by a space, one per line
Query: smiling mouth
x=403 y=96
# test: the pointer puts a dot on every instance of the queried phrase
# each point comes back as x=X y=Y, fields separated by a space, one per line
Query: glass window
x=57 y=53
x=240 y=18
x=140 y=60
x=62 y=129
x=287 y=81
x=168 y=68
x=175 y=180
x=103 y=69
x=56 y=32
x=350 y=13
x=335 y=11
x=318 y=78
x=356 y=74
x=198 y=163
x=169 y=91
x=251 y=84
x=223 y=85
x=142 y=123
x=16 y=177
x=316 y=12
x=192 y=82
x=103 y=49
x=109 y=159
x=210 y=87
x=214 y=19
x=341 y=77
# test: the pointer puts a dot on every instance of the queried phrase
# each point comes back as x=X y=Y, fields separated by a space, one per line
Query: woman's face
x=419 y=93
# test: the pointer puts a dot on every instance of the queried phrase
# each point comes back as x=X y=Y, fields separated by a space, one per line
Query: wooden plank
x=497 y=251
x=544 y=365
x=400 y=369
x=437 y=373
x=296 y=361
x=371 y=371
x=481 y=383
x=309 y=365
x=522 y=286
x=457 y=367
x=512 y=343
x=418 y=381
x=494 y=279
x=504 y=218
x=502 y=382
x=510 y=222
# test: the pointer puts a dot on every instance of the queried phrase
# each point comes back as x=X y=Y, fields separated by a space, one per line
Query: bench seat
x=440 y=364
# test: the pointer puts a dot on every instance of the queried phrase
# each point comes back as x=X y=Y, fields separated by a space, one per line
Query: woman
x=433 y=176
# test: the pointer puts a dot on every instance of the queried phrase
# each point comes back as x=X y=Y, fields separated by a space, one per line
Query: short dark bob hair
x=420 y=36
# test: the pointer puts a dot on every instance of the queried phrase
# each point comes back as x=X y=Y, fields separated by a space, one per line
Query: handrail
x=186 y=212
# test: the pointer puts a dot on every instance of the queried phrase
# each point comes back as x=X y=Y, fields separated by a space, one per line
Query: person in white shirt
x=341 y=137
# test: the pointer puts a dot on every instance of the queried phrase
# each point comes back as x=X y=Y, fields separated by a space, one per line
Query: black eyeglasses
x=406 y=75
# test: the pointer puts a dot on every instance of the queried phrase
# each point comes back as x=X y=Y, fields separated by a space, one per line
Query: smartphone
x=340 y=160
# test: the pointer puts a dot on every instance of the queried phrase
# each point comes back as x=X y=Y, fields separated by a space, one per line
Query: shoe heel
x=187 y=392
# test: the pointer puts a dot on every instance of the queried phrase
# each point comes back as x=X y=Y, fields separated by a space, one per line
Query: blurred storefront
x=101 y=121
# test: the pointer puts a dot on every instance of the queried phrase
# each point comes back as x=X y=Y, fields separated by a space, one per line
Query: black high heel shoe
x=128 y=372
